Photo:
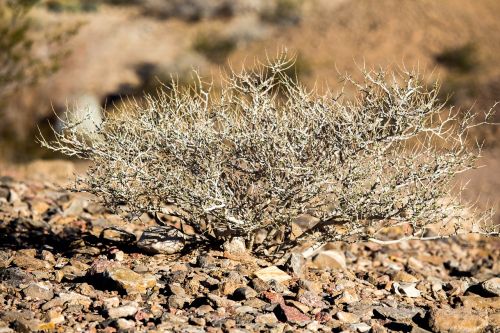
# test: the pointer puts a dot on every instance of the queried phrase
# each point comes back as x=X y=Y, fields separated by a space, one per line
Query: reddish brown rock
x=273 y=297
x=290 y=314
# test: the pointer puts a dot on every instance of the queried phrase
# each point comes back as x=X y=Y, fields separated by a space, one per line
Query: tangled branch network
x=248 y=158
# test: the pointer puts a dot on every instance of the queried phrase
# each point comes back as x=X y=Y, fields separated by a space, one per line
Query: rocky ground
x=69 y=265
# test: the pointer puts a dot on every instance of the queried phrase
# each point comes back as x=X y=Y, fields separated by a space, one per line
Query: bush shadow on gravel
x=23 y=233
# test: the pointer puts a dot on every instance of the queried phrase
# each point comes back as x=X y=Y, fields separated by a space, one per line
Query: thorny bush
x=247 y=161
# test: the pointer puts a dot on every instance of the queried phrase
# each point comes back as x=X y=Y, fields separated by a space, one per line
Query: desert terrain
x=70 y=264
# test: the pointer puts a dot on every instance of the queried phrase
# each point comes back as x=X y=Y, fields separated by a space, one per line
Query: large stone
x=40 y=290
x=164 y=240
x=492 y=286
x=272 y=273
x=71 y=272
x=330 y=259
x=457 y=321
x=130 y=281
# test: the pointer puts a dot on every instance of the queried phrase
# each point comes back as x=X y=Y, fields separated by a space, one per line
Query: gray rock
x=397 y=314
x=42 y=291
x=165 y=240
x=14 y=276
x=245 y=309
x=27 y=261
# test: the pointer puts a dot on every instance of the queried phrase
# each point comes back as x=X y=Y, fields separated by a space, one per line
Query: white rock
x=407 y=289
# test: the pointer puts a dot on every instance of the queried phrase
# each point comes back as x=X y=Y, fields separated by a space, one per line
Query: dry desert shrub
x=245 y=162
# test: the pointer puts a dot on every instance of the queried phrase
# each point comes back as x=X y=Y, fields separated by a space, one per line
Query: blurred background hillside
x=56 y=54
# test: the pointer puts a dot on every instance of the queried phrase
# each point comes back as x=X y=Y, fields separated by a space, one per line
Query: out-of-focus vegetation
x=462 y=59
x=18 y=64
x=214 y=46
x=72 y=5
x=287 y=12
x=132 y=47
x=28 y=53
